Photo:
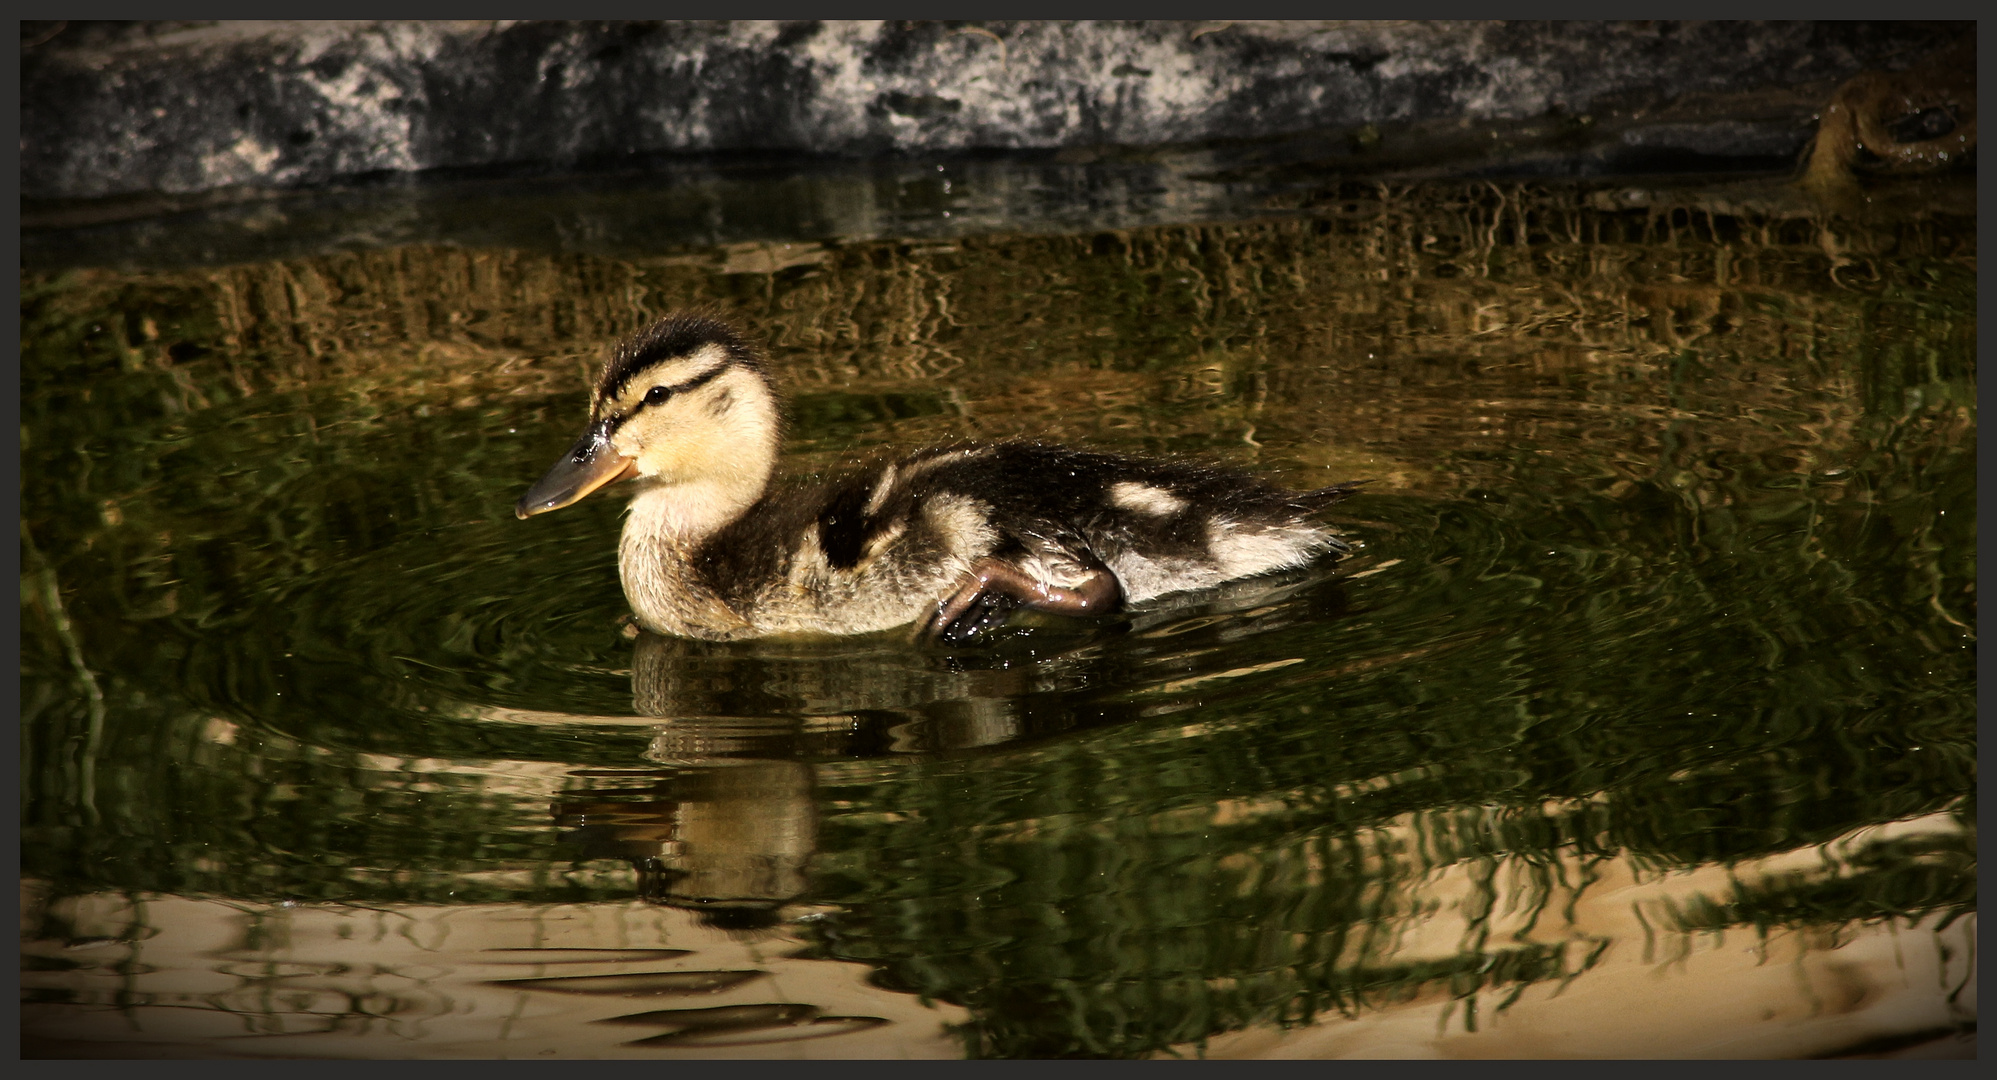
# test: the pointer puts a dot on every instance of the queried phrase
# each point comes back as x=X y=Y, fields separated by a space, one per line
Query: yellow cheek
x=670 y=458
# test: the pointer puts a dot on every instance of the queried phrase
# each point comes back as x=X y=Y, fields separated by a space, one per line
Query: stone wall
x=111 y=109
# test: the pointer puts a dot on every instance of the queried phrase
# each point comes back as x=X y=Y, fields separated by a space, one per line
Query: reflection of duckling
x=953 y=538
x=728 y=837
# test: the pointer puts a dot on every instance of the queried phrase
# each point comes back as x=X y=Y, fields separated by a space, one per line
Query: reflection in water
x=1642 y=967
x=165 y=976
x=728 y=837
x=1643 y=722
x=728 y=825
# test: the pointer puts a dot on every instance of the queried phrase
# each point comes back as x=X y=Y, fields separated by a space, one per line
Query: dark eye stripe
x=692 y=384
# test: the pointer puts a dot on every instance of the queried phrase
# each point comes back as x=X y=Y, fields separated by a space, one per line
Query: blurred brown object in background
x=1917 y=120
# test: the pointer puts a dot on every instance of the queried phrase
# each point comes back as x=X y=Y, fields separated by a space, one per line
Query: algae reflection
x=1670 y=570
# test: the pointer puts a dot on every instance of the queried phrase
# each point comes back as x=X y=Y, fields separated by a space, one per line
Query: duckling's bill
x=592 y=463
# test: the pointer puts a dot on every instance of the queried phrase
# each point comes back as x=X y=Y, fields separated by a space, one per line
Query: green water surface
x=1669 y=559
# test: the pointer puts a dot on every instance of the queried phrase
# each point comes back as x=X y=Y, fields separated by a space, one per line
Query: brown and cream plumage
x=951 y=539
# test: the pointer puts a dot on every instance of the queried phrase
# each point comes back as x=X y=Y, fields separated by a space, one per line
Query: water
x=1650 y=690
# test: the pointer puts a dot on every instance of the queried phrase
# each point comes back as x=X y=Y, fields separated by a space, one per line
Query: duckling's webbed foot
x=987 y=611
x=993 y=589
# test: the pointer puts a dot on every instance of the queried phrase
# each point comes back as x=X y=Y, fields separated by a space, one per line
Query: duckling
x=951 y=540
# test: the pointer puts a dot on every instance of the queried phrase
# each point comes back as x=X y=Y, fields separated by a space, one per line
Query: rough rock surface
x=122 y=109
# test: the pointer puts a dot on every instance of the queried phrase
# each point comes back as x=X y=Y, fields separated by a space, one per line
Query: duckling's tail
x=1313 y=501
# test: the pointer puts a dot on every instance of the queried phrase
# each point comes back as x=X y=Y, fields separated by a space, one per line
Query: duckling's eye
x=657 y=395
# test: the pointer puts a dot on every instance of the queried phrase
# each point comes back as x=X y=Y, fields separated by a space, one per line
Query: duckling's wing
x=1079 y=533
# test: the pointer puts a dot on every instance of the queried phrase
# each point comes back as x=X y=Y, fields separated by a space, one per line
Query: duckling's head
x=682 y=403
